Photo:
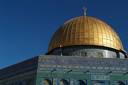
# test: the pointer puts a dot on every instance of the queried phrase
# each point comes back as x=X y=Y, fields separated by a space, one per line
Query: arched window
x=30 y=82
x=80 y=82
x=63 y=82
x=120 y=83
x=101 y=83
x=46 y=82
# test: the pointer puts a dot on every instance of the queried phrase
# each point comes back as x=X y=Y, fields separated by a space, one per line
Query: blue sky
x=26 y=26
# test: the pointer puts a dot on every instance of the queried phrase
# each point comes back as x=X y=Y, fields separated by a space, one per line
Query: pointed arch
x=46 y=82
x=80 y=82
x=120 y=83
x=63 y=82
x=101 y=83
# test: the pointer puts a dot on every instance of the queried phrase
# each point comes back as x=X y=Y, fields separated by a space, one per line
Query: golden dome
x=85 y=31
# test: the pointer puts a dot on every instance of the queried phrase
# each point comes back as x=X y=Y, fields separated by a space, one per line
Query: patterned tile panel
x=19 y=68
x=73 y=62
x=60 y=60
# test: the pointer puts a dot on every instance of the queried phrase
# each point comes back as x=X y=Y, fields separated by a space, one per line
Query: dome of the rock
x=85 y=31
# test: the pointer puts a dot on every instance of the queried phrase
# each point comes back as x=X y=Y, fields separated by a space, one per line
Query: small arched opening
x=120 y=83
x=101 y=83
x=63 y=82
x=46 y=82
x=80 y=82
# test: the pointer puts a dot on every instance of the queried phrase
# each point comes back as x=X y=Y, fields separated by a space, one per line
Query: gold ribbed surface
x=85 y=31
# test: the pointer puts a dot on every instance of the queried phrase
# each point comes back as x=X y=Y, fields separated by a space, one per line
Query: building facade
x=83 y=51
x=66 y=70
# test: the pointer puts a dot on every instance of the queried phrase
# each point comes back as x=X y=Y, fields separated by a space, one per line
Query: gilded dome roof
x=85 y=31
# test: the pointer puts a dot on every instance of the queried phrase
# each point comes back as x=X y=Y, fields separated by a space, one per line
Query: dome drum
x=88 y=51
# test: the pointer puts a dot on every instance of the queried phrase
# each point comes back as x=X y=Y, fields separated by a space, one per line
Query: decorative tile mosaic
x=55 y=81
x=82 y=67
x=84 y=61
x=71 y=81
x=100 y=68
x=124 y=69
x=65 y=66
x=93 y=67
x=118 y=68
x=27 y=65
x=100 y=77
x=70 y=66
x=83 y=54
x=47 y=65
x=76 y=67
x=65 y=62
x=53 y=66
x=88 y=52
x=59 y=66
x=112 y=68
x=106 y=68
x=87 y=67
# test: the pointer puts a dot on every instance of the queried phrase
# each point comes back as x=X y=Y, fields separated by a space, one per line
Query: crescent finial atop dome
x=84 y=8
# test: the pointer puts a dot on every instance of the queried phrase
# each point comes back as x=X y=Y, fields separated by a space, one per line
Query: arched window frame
x=45 y=79
x=121 y=82
x=79 y=80
x=100 y=81
x=58 y=83
x=30 y=80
